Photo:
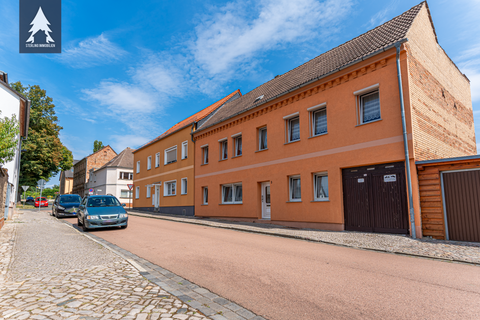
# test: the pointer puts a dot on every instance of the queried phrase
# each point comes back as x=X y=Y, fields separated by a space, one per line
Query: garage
x=375 y=198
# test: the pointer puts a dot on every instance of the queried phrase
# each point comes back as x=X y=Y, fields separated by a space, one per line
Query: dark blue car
x=65 y=205
x=101 y=212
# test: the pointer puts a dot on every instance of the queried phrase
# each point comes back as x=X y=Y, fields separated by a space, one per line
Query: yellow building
x=163 y=175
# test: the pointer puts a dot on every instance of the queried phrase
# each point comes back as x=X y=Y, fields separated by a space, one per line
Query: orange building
x=163 y=168
x=322 y=146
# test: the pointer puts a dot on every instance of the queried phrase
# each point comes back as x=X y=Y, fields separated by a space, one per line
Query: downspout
x=405 y=143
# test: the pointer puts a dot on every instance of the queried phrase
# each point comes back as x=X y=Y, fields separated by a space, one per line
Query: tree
x=97 y=145
x=8 y=138
x=44 y=154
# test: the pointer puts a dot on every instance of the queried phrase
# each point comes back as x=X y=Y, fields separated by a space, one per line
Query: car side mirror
x=124 y=204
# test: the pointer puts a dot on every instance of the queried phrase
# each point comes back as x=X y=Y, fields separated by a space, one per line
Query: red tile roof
x=194 y=118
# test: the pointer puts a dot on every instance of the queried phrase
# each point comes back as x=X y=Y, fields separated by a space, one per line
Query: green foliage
x=45 y=154
x=97 y=145
x=8 y=138
x=50 y=192
x=35 y=192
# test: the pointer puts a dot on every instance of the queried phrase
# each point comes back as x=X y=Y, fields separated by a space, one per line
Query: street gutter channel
x=297 y=237
x=215 y=307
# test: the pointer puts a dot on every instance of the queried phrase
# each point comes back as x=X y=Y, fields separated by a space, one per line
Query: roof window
x=258 y=98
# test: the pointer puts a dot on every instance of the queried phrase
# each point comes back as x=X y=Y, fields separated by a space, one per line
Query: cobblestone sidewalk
x=448 y=250
x=57 y=273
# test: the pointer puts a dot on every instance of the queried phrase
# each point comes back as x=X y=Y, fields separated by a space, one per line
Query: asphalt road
x=282 y=279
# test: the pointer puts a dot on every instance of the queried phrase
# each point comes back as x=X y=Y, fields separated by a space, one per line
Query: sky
x=129 y=70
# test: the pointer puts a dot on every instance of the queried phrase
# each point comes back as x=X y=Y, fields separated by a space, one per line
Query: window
x=138 y=166
x=369 y=107
x=320 y=186
x=262 y=138
x=205 y=155
x=157 y=159
x=170 y=188
x=171 y=155
x=293 y=129
x=319 y=121
x=232 y=193
x=125 y=194
x=126 y=176
x=295 y=188
x=237 y=145
x=149 y=163
x=205 y=195
x=223 y=149
x=184 y=149
x=184 y=186
x=137 y=192
x=149 y=191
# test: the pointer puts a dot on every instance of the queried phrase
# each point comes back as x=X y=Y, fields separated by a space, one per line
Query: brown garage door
x=462 y=204
x=375 y=198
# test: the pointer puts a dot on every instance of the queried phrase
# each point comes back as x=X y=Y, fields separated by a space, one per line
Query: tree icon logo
x=38 y=23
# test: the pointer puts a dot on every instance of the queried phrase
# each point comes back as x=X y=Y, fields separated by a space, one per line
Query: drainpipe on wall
x=405 y=143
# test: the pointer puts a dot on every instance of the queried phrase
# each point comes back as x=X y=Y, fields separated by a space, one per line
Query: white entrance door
x=157 y=196
x=266 y=200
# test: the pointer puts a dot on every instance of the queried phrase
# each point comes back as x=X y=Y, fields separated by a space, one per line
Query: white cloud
x=91 y=52
x=228 y=39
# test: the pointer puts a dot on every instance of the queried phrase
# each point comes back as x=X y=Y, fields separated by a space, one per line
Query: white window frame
x=138 y=166
x=223 y=147
x=290 y=185
x=260 y=138
x=149 y=163
x=205 y=159
x=205 y=195
x=165 y=188
x=129 y=194
x=288 y=120
x=137 y=192
x=235 y=145
x=149 y=191
x=157 y=159
x=315 y=175
x=184 y=185
x=165 y=154
x=362 y=93
x=184 y=149
x=312 y=111
x=234 y=187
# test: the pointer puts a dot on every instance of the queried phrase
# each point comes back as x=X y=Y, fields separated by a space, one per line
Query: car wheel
x=84 y=227
x=79 y=223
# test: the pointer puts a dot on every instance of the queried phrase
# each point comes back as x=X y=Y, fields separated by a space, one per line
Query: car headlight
x=61 y=208
x=122 y=215
x=92 y=217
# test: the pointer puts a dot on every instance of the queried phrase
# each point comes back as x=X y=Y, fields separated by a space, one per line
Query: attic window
x=258 y=98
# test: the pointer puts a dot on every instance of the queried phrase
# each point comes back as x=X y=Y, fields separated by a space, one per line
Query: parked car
x=101 y=212
x=65 y=205
x=30 y=201
x=41 y=202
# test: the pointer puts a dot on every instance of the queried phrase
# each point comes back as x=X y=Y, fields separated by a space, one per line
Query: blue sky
x=131 y=69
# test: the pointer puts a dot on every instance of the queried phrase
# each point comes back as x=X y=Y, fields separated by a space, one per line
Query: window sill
x=222 y=160
x=362 y=124
x=261 y=150
x=166 y=164
x=171 y=195
x=292 y=142
x=204 y=164
x=230 y=204
x=318 y=135
x=294 y=201
x=183 y=194
x=326 y=200
x=236 y=157
x=184 y=158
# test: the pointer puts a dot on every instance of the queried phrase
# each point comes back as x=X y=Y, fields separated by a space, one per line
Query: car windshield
x=70 y=199
x=43 y=199
x=103 y=202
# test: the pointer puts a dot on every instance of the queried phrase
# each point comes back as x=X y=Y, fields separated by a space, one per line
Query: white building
x=113 y=178
x=13 y=103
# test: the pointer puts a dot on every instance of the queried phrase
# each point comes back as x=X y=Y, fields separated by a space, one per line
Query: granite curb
x=210 y=304
x=245 y=228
